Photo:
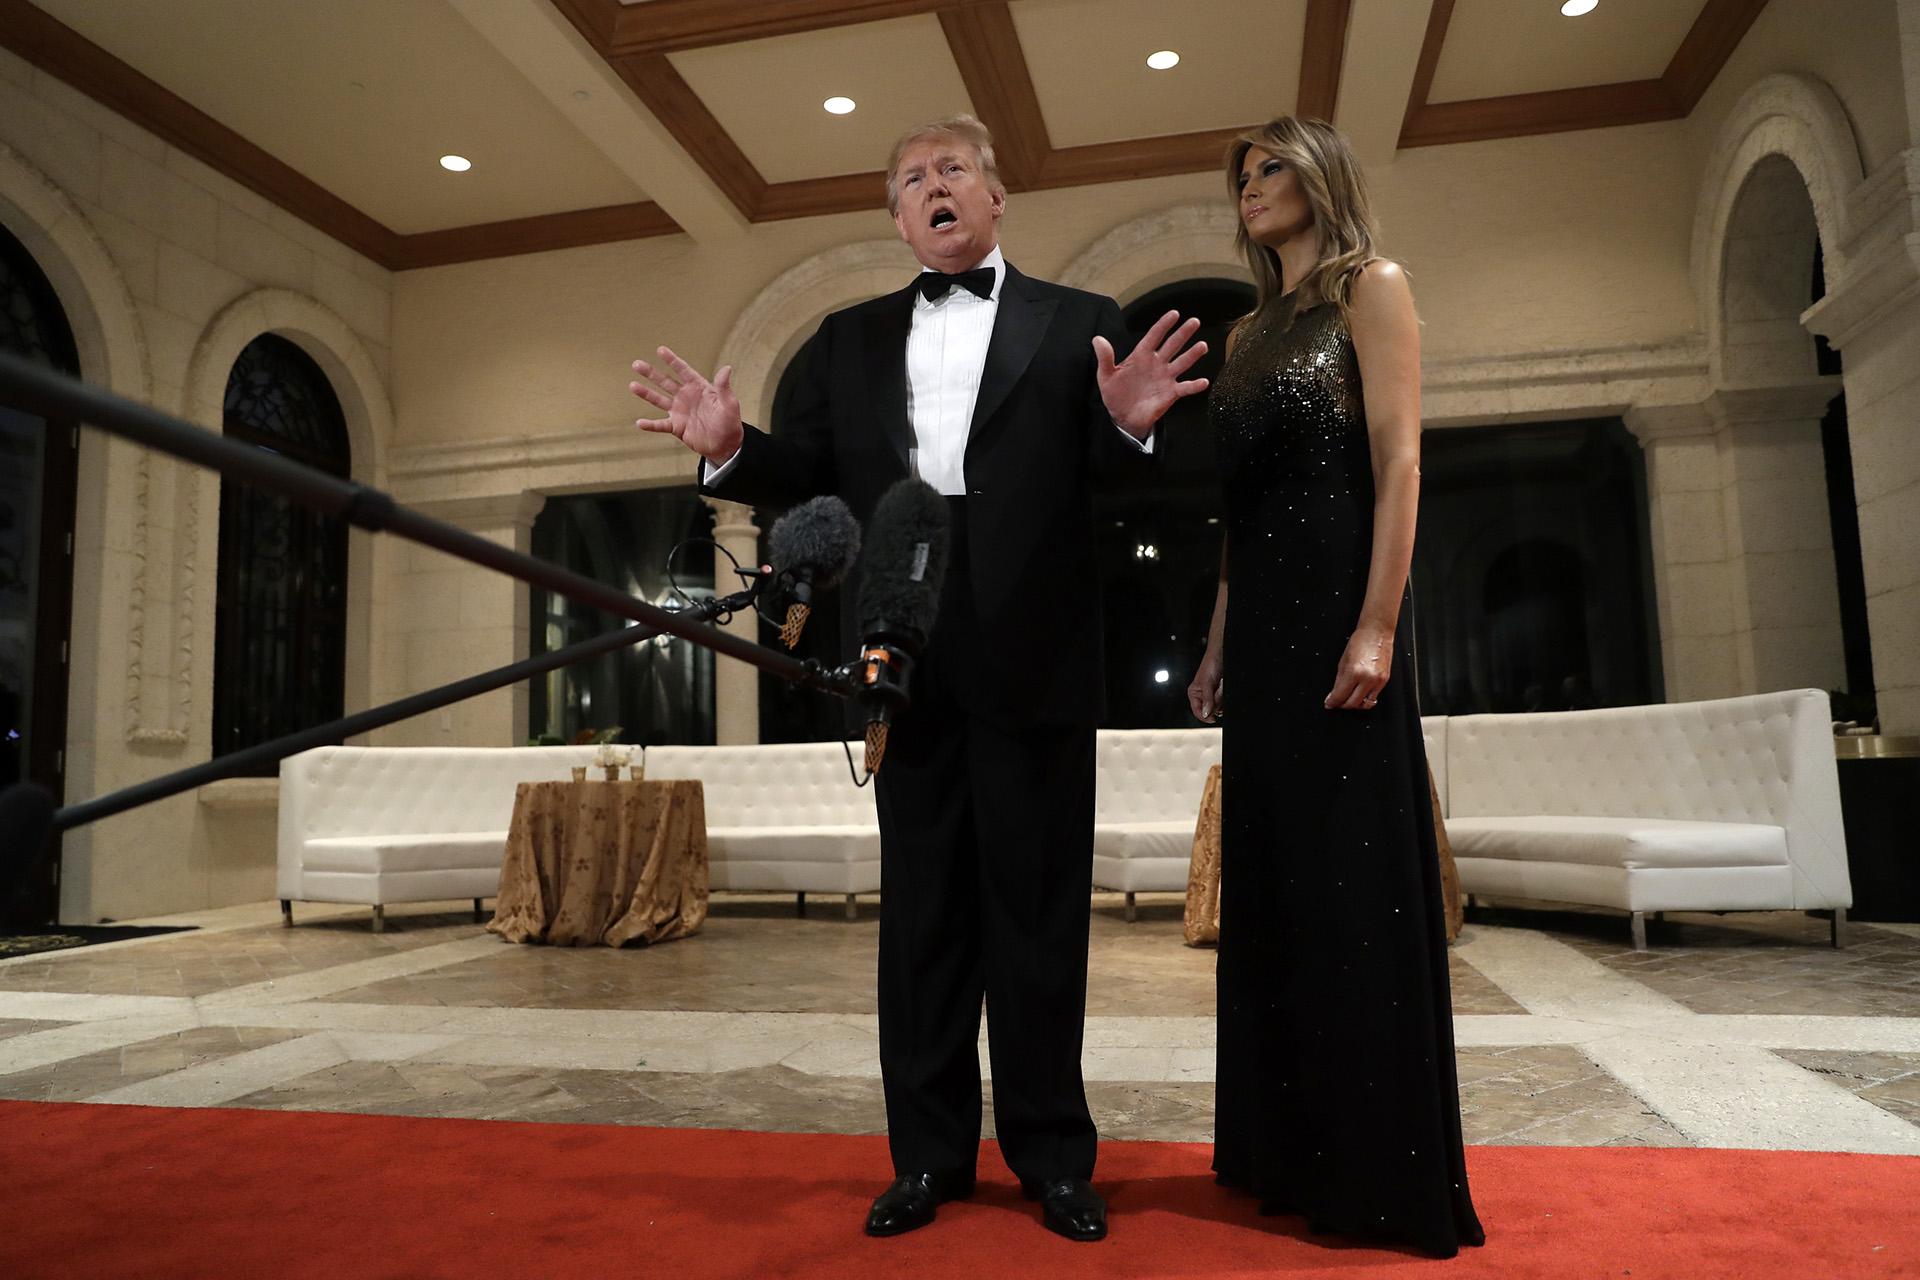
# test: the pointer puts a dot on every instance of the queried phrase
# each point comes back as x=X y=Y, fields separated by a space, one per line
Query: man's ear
x=900 y=224
x=999 y=205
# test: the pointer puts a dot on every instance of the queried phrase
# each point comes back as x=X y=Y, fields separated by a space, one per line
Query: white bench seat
x=368 y=854
x=1632 y=843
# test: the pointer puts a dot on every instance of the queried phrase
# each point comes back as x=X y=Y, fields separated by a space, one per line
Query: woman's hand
x=1364 y=670
x=1206 y=696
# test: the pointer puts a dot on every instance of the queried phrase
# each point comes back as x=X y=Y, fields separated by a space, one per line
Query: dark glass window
x=281 y=611
x=38 y=465
x=1159 y=532
x=1532 y=573
x=659 y=690
x=1858 y=701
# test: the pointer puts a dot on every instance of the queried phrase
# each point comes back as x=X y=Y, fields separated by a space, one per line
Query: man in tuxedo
x=1003 y=393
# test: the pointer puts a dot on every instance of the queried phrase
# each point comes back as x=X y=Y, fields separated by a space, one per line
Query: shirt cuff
x=711 y=475
x=1144 y=446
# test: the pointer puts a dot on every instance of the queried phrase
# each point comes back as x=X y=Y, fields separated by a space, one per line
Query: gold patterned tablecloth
x=1203 y=872
x=592 y=863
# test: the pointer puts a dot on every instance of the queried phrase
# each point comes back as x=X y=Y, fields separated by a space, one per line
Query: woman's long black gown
x=1336 y=1091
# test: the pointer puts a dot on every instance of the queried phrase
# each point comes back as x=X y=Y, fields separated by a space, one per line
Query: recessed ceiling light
x=838 y=106
x=1574 y=8
x=455 y=164
x=1163 y=60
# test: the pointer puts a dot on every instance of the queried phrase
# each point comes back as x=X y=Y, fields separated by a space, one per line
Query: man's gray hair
x=960 y=128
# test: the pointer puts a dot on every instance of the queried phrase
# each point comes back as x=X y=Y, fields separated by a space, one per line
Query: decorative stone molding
x=322 y=334
x=165 y=549
x=1800 y=118
x=1185 y=242
x=784 y=315
x=1562 y=384
x=1884 y=255
x=502 y=511
x=106 y=326
x=575 y=462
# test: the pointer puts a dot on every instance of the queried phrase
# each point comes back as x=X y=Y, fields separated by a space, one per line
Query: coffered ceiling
x=596 y=120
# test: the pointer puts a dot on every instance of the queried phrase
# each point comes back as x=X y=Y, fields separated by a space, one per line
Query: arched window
x=38 y=464
x=280 y=642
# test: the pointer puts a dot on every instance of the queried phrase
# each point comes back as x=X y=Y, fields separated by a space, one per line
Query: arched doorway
x=39 y=461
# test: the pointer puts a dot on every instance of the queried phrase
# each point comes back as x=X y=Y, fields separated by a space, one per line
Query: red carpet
x=150 y=1192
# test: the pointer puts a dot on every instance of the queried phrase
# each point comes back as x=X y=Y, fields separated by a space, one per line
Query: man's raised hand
x=703 y=415
x=1141 y=388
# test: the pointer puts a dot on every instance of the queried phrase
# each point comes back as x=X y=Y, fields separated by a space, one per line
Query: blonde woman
x=1336 y=1092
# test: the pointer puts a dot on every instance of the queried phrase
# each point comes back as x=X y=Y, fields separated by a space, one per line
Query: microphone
x=906 y=561
x=812 y=546
x=26 y=820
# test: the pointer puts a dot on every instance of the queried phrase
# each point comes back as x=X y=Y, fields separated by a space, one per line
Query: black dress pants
x=986 y=836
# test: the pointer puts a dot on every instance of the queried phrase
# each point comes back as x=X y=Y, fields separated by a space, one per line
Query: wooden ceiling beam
x=539 y=234
x=1703 y=52
x=986 y=48
x=1715 y=33
x=667 y=26
x=1521 y=115
x=845 y=193
x=1323 y=51
x=1138 y=158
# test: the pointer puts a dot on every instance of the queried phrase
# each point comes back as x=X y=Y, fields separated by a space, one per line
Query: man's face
x=947 y=212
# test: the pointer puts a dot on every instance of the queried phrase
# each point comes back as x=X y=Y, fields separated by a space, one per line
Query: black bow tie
x=978 y=282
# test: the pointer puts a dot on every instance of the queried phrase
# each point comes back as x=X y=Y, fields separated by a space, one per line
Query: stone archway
x=1180 y=243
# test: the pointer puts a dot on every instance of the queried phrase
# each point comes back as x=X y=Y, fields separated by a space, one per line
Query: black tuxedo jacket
x=1039 y=436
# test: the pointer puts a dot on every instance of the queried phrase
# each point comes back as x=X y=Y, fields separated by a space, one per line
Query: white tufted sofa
x=1147 y=794
x=1730 y=805
x=403 y=824
x=782 y=818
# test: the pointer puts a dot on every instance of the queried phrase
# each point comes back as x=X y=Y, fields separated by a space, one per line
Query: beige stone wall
x=166 y=269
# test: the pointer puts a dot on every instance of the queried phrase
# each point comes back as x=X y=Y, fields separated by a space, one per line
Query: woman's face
x=1272 y=205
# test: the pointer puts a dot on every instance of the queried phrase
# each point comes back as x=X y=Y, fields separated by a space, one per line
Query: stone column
x=1694 y=584
x=736 y=686
x=1742 y=541
x=448 y=618
x=1872 y=315
x=1780 y=534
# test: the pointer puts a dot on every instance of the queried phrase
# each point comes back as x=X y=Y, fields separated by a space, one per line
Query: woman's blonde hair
x=1336 y=192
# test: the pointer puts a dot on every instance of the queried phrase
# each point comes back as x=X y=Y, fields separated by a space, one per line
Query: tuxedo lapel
x=1018 y=327
x=885 y=360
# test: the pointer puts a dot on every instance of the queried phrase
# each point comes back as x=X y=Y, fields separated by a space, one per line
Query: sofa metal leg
x=853 y=907
x=1839 y=927
x=1639 y=931
x=479 y=912
x=286 y=913
x=800 y=905
x=1132 y=914
x=379 y=919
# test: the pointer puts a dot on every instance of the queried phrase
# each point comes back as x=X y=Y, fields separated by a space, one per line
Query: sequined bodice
x=1287 y=412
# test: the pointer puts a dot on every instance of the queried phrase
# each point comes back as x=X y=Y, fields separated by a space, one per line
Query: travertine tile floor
x=1730 y=1031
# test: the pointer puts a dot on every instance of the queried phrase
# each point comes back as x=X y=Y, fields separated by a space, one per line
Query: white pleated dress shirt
x=946 y=354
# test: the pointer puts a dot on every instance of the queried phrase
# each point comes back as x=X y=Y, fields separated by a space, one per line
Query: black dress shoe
x=1070 y=1207
x=911 y=1200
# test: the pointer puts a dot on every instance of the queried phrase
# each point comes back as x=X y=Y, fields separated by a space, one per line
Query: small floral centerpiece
x=611 y=756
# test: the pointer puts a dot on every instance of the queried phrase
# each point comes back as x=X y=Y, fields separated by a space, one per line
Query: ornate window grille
x=280 y=646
